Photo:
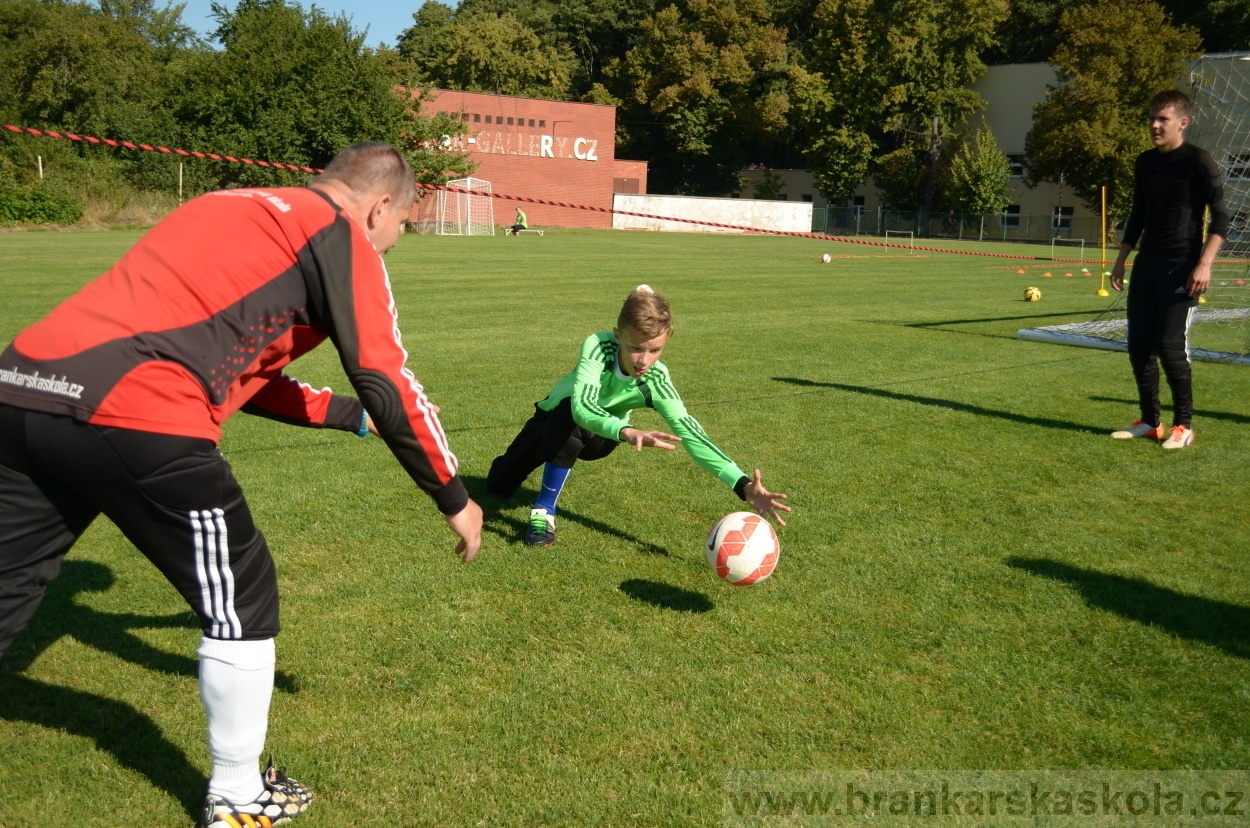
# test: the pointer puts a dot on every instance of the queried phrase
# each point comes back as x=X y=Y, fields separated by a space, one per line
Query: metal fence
x=1006 y=227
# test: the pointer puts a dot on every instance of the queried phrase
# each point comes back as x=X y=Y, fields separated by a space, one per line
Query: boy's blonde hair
x=647 y=312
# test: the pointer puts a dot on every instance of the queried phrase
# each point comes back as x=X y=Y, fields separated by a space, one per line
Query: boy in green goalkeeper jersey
x=586 y=416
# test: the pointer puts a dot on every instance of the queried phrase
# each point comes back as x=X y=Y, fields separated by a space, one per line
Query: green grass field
x=974 y=576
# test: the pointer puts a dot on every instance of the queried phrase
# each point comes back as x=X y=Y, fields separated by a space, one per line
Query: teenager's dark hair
x=1181 y=103
x=647 y=312
x=373 y=167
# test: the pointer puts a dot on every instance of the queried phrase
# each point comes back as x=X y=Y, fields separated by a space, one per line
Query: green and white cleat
x=542 y=529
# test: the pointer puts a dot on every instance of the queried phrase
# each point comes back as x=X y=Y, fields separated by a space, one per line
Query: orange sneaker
x=1140 y=428
x=1179 y=437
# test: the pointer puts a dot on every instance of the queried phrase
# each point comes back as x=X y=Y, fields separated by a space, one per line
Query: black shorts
x=548 y=437
x=174 y=498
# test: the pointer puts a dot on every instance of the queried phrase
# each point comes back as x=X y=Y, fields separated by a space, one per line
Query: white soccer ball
x=826 y=258
x=742 y=548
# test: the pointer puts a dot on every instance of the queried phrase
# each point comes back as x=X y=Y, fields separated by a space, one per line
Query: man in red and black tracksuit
x=1174 y=185
x=113 y=404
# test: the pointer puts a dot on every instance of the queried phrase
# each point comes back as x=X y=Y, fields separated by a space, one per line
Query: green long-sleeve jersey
x=602 y=397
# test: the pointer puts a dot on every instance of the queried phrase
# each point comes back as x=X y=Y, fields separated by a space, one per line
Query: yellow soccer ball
x=1032 y=294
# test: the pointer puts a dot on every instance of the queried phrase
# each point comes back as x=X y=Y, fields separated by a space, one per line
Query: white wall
x=786 y=216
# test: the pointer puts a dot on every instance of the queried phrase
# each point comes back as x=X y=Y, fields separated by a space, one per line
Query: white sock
x=236 y=683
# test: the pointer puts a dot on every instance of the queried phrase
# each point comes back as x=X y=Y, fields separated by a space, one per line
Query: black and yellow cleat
x=282 y=799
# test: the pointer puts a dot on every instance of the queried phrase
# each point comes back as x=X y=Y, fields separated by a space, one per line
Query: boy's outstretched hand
x=649 y=439
x=763 y=501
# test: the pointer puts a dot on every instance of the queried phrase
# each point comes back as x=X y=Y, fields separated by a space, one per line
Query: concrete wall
x=764 y=215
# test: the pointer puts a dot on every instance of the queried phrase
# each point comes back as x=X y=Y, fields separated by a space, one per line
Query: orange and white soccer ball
x=742 y=548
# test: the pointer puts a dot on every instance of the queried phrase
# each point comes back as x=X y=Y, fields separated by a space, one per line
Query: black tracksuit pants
x=174 y=498
x=549 y=437
x=1159 y=314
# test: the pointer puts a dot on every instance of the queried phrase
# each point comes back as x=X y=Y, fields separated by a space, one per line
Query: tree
x=889 y=79
x=72 y=67
x=700 y=86
x=979 y=175
x=483 y=52
x=1112 y=57
x=1027 y=33
x=289 y=85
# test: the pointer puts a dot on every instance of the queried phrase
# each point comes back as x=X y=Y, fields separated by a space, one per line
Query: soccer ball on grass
x=742 y=548
x=1032 y=294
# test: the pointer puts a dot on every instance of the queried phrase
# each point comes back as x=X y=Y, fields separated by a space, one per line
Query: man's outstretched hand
x=467 y=523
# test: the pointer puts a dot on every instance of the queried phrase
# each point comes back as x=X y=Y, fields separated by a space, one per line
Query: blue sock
x=553 y=483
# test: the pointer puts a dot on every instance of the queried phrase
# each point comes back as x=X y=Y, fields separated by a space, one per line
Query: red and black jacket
x=201 y=316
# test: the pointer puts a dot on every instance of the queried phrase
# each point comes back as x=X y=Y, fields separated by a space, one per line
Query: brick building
x=555 y=150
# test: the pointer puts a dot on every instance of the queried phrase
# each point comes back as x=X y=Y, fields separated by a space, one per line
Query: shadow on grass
x=666 y=596
x=1240 y=419
x=952 y=405
x=116 y=727
x=511 y=528
x=1218 y=623
x=1083 y=314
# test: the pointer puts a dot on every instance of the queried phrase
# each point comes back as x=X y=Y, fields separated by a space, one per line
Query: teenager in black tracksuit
x=1174 y=185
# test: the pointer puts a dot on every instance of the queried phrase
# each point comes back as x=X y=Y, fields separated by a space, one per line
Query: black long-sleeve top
x=1170 y=193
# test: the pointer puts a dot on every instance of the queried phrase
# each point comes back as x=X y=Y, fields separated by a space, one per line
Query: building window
x=1016 y=164
x=1238 y=166
x=477 y=119
x=531 y=122
x=509 y=120
x=1061 y=218
x=858 y=204
x=464 y=116
x=1010 y=216
x=807 y=197
x=488 y=119
x=542 y=124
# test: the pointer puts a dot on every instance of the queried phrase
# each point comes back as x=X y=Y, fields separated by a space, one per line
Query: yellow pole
x=1102 y=286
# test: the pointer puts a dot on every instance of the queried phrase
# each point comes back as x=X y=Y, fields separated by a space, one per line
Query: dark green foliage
x=36 y=205
x=847 y=88
x=288 y=86
x=1112 y=57
x=703 y=83
x=888 y=82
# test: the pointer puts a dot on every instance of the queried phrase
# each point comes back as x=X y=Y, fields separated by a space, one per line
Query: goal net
x=466 y=214
x=1220 y=87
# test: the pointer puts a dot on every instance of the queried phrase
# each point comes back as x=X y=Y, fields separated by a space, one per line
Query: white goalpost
x=1220 y=87
x=466 y=214
x=909 y=234
x=1065 y=241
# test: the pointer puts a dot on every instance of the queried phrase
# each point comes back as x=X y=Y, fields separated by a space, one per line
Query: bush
x=36 y=205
